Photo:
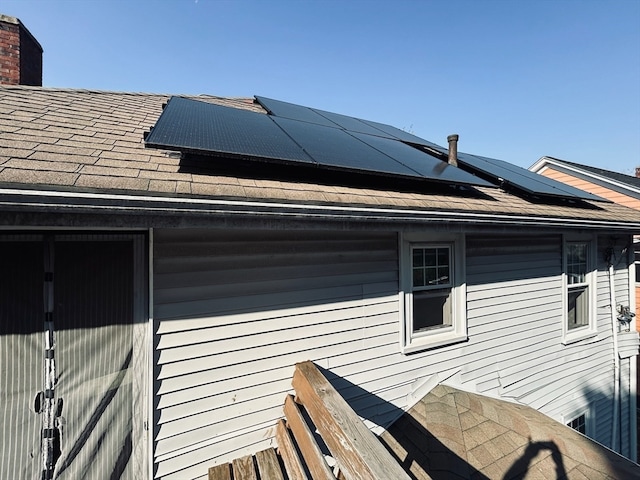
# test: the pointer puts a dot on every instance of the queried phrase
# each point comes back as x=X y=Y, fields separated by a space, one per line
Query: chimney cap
x=453 y=137
x=16 y=21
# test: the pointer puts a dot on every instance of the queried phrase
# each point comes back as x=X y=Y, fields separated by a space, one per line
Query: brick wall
x=20 y=54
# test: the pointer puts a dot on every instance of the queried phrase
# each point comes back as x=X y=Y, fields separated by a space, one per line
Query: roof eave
x=598 y=179
x=19 y=200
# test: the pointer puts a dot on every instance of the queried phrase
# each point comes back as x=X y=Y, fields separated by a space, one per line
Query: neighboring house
x=181 y=284
x=614 y=186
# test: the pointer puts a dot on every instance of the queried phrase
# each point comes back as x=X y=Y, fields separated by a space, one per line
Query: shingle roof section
x=615 y=176
x=455 y=434
x=91 y=141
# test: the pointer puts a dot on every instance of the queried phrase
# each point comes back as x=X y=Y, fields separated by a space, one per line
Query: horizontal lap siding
x=234 y=311
x=514 y=300
x=514 y=303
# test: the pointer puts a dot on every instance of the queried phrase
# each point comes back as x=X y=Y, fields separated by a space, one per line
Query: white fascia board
x=86 y=202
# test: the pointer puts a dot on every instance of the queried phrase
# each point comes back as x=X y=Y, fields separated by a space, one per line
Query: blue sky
x=516 y=79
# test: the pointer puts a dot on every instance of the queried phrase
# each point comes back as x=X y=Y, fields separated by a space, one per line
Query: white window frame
x=589 y=419
x=438 y=336
x=590 y=329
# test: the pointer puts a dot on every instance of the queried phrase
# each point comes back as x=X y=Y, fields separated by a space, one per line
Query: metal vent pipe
x=453 y=149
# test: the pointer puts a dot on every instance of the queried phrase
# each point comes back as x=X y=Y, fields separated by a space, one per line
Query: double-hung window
x=433 y=291
x=579 y=285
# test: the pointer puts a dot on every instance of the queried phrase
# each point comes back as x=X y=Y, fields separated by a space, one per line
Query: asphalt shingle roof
x=455 y=434
x=608 y=174
x=92 y=141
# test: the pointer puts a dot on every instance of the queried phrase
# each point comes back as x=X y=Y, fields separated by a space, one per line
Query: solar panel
x=282 y=109
x=295 y=112
x=334 y=147
x=394 y=132
x=425 y=165
x=351 y=124
x=521 y=178
x=201 y=127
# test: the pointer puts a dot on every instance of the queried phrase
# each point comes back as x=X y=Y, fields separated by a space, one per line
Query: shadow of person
x=519 y=469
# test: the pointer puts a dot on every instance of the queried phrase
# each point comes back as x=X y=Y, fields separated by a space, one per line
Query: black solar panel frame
x=205 y=128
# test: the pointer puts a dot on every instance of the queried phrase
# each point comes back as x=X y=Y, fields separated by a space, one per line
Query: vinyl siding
x=591 y=187
x=235 y=310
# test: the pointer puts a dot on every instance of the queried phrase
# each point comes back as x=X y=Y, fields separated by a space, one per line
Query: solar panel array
x=521 y=178
x=506 y=174
x=302 y=136
x=311 y=139
x=497 y=171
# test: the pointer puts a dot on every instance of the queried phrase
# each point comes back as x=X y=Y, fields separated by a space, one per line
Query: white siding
x=235 y=310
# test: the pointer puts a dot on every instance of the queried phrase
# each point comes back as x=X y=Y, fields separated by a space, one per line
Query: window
x=579 y=281
x=433 y=291
x=579 y=424
x=581 y=419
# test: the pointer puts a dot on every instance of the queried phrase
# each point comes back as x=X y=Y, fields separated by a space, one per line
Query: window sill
x=427 y=343
x=578 y=336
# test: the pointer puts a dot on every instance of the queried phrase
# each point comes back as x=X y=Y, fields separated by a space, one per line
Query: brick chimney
x=20 y=54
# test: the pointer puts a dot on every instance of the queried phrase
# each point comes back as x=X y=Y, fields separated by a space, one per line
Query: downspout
x=616 y=356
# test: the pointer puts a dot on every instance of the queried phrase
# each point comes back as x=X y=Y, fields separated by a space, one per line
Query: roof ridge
x=121 y=92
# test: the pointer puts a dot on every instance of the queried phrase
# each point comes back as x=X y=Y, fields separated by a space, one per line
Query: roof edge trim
x=132 y=204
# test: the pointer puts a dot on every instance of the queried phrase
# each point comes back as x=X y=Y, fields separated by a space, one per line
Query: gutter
x=103 y=203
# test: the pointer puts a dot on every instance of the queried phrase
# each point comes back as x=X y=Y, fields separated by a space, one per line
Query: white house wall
x=234 y=310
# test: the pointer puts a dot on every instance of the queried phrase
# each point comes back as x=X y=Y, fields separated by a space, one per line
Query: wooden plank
x=244 y=469
x=268 y=465
x=359 y=453
x=220 y=472
x=288 y=453
x=310 y=450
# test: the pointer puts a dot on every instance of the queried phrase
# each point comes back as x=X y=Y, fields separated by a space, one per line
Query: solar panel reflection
x=201 y=127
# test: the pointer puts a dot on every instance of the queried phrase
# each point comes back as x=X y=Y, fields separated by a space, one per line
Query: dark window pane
x=431 y=309
x=443 y=256
x=579 y=424
x=578 y=308
x=443 y=275
x=418 y=277
x=432 y=276
x=418 y=257
x=430 y=257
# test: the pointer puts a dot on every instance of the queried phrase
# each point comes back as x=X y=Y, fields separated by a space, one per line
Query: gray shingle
x=54 y=129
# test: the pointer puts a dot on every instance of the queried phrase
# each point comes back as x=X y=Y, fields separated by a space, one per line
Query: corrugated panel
x=98 y=296
x=236 y=311
x=21 y=356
